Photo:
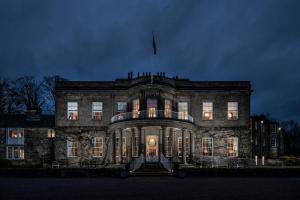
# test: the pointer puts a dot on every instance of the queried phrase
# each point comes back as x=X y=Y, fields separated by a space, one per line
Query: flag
x=153 y=43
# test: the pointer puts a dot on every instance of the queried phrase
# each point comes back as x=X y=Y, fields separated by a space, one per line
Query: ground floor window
x=124 y=153
x=207 y=146
x=15 y=152
x=135 y=147
x=232 y=146
x=72 y=148
x=179 y=147
x=97 y=146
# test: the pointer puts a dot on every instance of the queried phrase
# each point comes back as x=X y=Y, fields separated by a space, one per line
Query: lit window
x=97 y=146
x=97 y=110
x=232 y=113
x=124 y=153
x=72 y=110
x=207 y=112
x=72 y=148
x=152 y=108
x=207 y=146
x=183 y=110
x=179 y=147
x=15 y=136
x=135 y=149
x=51 y=133
x=135 y=108
x=168 y=109
x=15 y=152
x=232 y=147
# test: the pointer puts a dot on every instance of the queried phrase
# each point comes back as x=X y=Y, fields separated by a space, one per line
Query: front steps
x=151 y=169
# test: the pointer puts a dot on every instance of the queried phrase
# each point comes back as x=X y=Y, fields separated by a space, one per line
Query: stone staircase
x=151 y=169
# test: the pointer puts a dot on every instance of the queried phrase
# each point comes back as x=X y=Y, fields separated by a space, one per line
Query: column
x=183 y=145
x=114 y=146
x=140 y=140
x=121 y=144
x=132 y=142
x=191 y=147
x=163 y=140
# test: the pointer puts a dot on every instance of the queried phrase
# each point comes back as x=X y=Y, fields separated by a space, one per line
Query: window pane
x=207 y=112
x=232 y=111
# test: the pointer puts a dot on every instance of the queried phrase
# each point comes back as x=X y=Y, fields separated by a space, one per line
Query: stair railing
x=136 y=163
x=166 y=162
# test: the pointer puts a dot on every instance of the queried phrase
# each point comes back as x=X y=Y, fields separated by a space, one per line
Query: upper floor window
x=72 y=148
x=183 y=110
x=152 y=107
x=233 y=111
x=135 y=108
x=51 y=133
x=121 y=107
x=72 y=110
x=207 y=146
x=207 y=112
x=232 y=146
x=15 y=152
x=97 y=110
x=15 y=136
x=97 y=146
x=168 y=108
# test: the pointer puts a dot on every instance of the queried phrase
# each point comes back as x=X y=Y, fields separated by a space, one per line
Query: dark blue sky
x=201 y=40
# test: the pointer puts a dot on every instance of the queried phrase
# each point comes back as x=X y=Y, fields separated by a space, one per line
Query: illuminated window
x=168 y=108
x=152 y=108
x=168 y=146
x=51 y=133
x=179 y=147
x=97 y=110
x=15 y=136
x=124 y=152
x=232 y=147
x=207 y=112
x=233 y=111
x=135 y=148
x=72 y=110
x=135 y=108
x=207 y=146
x=97 y=146
x=15 y=152
x=72 y=149
x=183 y=110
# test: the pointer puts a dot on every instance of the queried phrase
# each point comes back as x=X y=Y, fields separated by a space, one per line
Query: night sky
x=200 y=40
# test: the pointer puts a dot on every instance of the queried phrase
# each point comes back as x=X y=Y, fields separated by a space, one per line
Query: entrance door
x=151 y=148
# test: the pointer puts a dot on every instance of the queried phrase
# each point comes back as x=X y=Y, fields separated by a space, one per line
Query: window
x=207 y=112
x=168 y=109
x=117 y=146
x=179 y=147
x=233 y=111
x=51 y=133
x=121 y=107
x=135 y=149
x=183 y=110
x=124 y=153
x=187 y=147
x=97 y=146
x=232 y=147
x=72 y=148
x=135 y=108
x=168 y=146
x=97 y=110
x=15 y=152
x=15 y=136
x=152 y=108
x=72 y=110
x=207 y=146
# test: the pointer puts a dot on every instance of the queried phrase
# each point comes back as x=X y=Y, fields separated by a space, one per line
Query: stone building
x=151 y=118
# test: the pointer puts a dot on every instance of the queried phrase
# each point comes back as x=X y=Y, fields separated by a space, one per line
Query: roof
x=21 y=121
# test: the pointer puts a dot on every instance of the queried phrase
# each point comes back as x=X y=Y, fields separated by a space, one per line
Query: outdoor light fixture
x=261 y=121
